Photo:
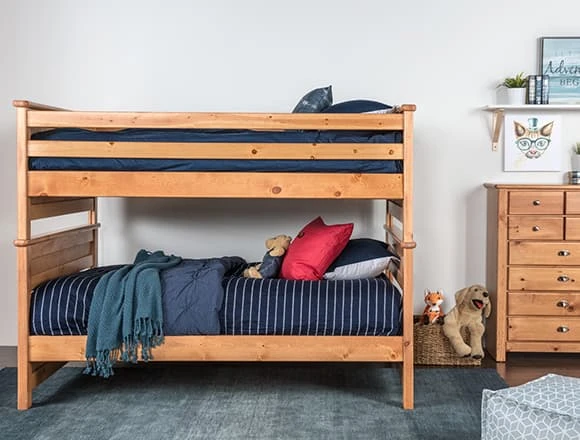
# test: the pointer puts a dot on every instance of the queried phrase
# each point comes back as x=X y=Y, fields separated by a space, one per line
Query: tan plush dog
x=470 y=304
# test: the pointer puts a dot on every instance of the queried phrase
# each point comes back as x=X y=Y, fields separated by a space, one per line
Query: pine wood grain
x=239 y=348
x=215 y=184
x=47 y=193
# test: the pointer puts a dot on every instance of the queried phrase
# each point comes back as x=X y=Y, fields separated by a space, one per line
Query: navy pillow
x=358 y=106
x=361 y=258
x=314 y=101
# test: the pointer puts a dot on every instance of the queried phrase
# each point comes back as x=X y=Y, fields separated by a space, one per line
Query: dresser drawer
x=535 y=227
x=544 y=304
x=531 y=328
x=573 y=202
x=543 y=278
x=536 y=202
x=545 y=253
x=572 y=228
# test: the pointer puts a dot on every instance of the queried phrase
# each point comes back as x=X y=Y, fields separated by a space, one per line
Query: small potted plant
x=516 y=88
x=576 y=156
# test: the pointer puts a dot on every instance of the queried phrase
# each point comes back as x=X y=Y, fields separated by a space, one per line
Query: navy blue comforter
x=193 y=295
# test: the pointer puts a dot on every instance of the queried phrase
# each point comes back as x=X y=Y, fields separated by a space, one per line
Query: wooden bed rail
x=215 y=150
x=248 y=121
x=38 y=117
x=240 y=348
x=34 y=105
x=404 y=108
x=44 y=207
x=60 y=253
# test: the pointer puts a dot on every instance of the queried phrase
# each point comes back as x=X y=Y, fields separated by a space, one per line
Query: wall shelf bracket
x=496 y=128
x=499 y=111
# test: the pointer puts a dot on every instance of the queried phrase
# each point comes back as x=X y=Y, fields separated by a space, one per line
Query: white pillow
x=361 y=258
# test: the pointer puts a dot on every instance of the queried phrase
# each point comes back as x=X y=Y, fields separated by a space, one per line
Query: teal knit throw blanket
x=126 y=312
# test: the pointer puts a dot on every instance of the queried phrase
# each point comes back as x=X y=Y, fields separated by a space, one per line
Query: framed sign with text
x=560 y=60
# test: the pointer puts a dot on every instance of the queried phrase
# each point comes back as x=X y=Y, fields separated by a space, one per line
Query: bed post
x=408 y=246
x=23 y=255
x=31 y=374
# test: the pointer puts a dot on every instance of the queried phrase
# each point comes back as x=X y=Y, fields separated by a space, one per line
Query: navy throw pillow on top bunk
x=314 y=101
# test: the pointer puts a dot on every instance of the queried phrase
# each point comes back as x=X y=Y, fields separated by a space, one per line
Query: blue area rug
x=249 y=401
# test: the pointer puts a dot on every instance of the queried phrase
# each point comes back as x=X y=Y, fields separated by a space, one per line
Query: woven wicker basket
x=433 y=348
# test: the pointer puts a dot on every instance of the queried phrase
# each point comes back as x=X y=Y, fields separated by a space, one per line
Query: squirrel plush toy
x=272 y=261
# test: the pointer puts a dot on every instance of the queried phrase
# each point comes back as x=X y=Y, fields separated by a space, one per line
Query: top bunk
x=64 y=153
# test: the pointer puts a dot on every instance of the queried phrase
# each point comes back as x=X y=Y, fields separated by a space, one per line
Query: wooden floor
x=519 y=368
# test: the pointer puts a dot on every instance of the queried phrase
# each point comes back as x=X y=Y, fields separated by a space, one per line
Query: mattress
x=296 y=307
x=213 y=136
x=250 y=306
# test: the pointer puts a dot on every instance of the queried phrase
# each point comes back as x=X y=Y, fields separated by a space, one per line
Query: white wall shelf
x=498 y=113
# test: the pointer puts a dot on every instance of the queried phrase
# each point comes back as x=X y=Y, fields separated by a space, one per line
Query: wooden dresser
x=533 y=268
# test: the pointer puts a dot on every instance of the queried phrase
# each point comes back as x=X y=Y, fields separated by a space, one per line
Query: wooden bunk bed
x=50 y=193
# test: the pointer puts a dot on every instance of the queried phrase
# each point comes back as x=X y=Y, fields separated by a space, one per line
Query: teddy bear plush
x=272 y=261
x=471 y=304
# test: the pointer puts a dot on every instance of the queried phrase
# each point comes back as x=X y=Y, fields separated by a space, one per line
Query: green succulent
x=518 y=81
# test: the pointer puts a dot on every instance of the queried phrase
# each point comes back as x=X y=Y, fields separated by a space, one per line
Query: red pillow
x=313 y=250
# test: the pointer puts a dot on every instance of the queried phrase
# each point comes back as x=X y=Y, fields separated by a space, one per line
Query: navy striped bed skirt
x=250 y=307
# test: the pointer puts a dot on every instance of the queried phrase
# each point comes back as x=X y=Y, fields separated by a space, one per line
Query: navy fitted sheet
x=250 y=306
x=232 y=136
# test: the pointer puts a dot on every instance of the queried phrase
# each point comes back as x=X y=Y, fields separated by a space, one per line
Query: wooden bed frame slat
x=63 y=270
x=49 y=200
x=55 y=260
x=250 y=121
x=64 y=233
x=43 y=210
x=44 y=194
x=61 y=242
x=214 y=184
x=215 y=150
x=239 y=348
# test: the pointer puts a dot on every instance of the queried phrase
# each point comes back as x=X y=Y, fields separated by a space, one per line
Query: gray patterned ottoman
x=547 y=408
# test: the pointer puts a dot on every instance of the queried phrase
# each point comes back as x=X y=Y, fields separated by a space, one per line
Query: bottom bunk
x=211 y=312
x=195 y=301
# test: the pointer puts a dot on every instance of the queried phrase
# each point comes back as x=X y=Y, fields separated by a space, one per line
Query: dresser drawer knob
x=535 y=228
x=536 y=203
x=563 y=253
x=563 y=278
x=563 y=329
x=563 y=303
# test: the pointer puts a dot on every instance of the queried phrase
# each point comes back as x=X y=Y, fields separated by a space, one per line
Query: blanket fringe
x=102 y=364
x=148 y=334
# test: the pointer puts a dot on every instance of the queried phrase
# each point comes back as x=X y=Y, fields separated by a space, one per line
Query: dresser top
x=531 y=186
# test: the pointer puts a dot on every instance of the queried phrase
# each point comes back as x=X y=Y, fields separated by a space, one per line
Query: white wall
x=262 y=55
